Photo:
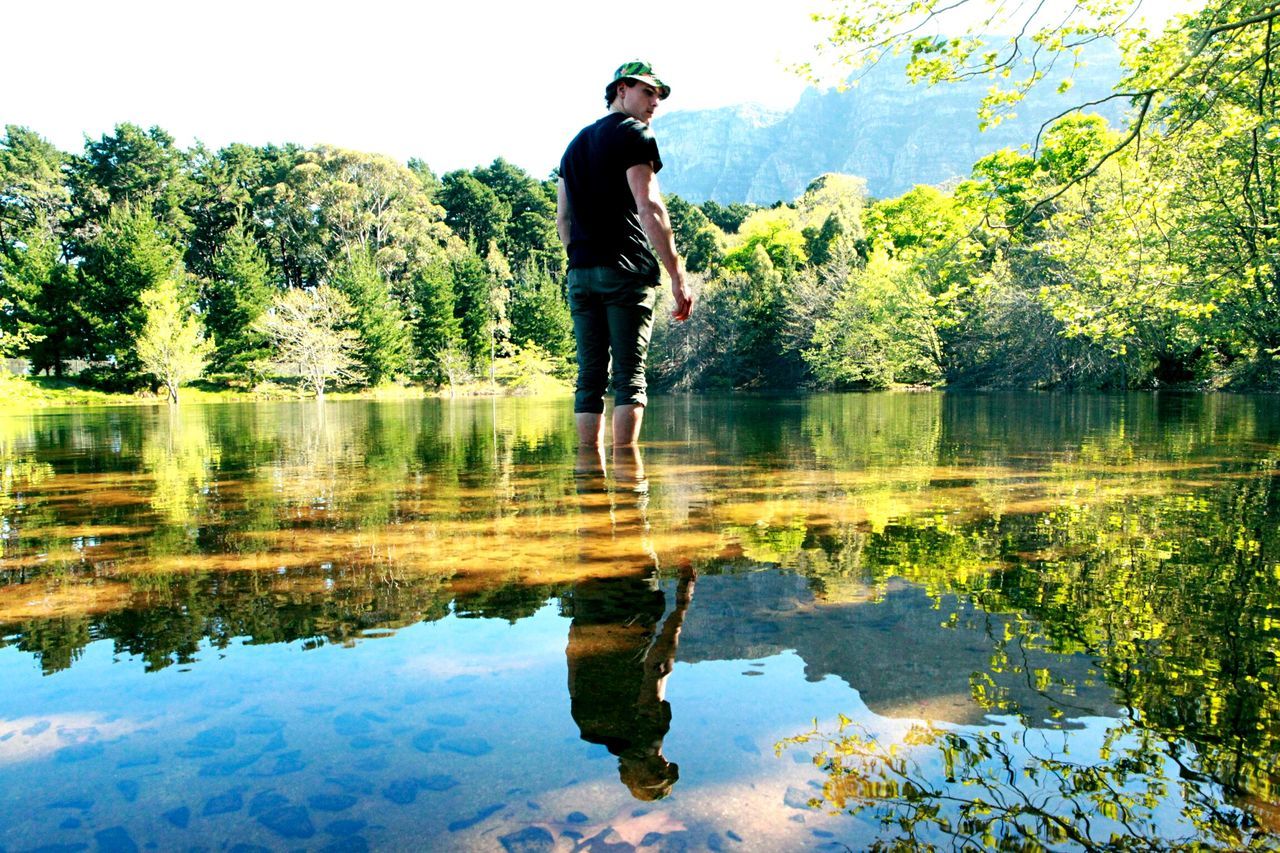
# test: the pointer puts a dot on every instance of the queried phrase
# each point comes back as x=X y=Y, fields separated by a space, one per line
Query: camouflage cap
x=642 y=71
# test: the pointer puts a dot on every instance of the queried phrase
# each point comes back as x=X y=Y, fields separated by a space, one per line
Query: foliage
x=475 y=288
x=233 y=298
x=530 y=371
x=1080 y=261
x=312 y=330
x=528 y=235
x=171 y=346
x=33 y=192
x=140 y=169
x=540 y=313
x=25 y=269
x=880 y=331
x=128 y=257
x=697 y=240
x=434 y=327
x=378 y=320
x=475 y=212
x=727 y=217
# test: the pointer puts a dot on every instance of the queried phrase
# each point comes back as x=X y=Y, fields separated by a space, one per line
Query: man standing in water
x=609 y=215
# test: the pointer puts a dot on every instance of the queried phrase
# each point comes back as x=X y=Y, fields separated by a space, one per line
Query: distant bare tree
x=309 y=328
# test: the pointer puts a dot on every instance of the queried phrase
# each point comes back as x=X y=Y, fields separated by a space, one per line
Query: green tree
x=221 y=207
x=26 y=270
x=435 y=328
x=529 y=234
x=476 y=213
x=331 y=202
x=473 y=287
x=728 y=217
x=39 y=285
x=33 y=191
x=171 y=345
x=880 y=331
x=540 y=314
x=379 y=322
x=128 y=257
x=697 y=240
x=778 y=232
x=426 y=177
x=234 y=297
x=497 y=319
x=139 y=168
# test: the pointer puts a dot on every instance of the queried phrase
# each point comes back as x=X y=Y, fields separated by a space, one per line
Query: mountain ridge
x=884 y=129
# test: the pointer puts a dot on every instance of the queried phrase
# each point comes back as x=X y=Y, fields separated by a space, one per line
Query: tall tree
x=529 y=233
x=697 y=239
x=332 y=202
x=26 y=270
x=129 y=256
x=379 y=322
x=426 y=177
x=235 y=295
x=136 y=167
x=225 y=184
x=436 y=329
x=475 y=212
x=33 y=191
x=473 y=287
x=540 y=314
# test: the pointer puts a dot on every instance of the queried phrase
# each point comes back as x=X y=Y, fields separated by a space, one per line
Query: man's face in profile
x=639 y=100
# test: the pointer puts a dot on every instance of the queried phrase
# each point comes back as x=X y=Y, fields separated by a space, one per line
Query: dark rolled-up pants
x=612 y=316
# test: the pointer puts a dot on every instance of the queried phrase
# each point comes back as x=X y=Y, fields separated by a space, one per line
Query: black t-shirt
x=605 y=229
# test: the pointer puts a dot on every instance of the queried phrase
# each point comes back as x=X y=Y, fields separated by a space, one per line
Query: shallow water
x=826 y=622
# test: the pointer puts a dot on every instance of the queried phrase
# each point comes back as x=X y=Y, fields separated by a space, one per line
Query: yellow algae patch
x=64 y=558
x=93 y=531
x=52 y=599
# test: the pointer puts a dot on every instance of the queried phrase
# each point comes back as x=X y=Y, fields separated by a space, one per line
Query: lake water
x=824 y=622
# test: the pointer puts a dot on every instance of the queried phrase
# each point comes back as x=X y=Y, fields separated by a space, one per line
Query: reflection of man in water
x=620 y=649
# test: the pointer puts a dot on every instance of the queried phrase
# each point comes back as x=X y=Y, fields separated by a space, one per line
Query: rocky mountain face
x=901 y=654
x=884 y=129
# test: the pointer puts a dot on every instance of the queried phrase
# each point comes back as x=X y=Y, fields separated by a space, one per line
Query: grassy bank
x=46 y=392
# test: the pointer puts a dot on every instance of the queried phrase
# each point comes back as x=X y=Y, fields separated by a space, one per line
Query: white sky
x=456 y=83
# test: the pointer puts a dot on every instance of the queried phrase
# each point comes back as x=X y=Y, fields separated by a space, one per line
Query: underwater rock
x=467 y=822
x=179 y=817
x=472 y=747
x=531 y=839
x=115 y=840
x=289 y=822
x=331 y=802
x=231 y=801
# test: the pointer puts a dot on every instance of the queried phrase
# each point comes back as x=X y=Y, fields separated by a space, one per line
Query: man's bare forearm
x=564 y=215
x=657 y=227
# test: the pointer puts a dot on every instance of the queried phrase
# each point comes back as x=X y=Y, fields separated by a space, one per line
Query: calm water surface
x=833 y=622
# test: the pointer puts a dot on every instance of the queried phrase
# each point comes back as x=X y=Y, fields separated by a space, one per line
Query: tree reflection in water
x=1014 y=787
x=1120 y=550
x=621 y=650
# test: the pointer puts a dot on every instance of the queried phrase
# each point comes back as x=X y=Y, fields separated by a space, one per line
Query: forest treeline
x=1100 y=258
